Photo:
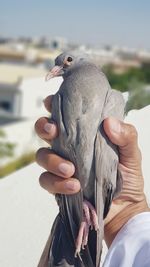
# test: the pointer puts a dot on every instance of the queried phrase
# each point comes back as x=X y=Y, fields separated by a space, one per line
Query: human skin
x=59 y=174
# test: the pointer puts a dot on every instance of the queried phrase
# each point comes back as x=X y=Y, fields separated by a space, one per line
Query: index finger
x=48 y=103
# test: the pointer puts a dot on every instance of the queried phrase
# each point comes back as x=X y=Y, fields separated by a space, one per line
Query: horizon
x=87 y=22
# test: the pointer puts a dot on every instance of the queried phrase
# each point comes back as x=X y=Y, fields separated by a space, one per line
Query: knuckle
x=42 y=179
x=47 y=102
x=129 y=131
x=140 y=155
x=49 y=182
x=38 y=123
x=39 y=153
x=132 y=132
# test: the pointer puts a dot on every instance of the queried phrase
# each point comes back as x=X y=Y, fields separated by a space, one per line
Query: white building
x=33 y=92
x=22 y=90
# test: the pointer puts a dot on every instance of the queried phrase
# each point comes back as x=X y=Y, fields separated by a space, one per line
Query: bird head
x=64 y=63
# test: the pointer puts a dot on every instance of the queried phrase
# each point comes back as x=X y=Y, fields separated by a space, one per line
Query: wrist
x=122 y=214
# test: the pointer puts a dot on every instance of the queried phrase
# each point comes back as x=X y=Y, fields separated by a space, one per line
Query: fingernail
x=65 y=168
x=70 y=185
x=48 y=127
x=115 y=126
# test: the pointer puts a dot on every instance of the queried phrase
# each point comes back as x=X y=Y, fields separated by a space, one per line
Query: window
x=6 y=105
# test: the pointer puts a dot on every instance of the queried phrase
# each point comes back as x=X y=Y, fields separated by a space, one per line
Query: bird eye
x=69 y=59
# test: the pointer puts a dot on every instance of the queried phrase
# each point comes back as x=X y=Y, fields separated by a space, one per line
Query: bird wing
x=75 y=135
x=63 y=146
x=108 y=180
x=70 y=206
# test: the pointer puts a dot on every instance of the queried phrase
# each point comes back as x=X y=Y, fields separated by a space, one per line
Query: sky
x=112 y=22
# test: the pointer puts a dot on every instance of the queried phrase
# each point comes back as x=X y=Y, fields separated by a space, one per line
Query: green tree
x=121 y=81
x=139 y=97
x=146 y=71
x=6 y=148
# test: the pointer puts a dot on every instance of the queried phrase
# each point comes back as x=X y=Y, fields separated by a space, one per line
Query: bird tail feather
x=64 y=233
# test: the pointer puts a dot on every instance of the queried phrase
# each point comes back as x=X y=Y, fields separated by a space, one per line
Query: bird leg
x=90 y=219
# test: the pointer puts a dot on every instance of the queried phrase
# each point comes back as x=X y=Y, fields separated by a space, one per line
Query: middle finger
x=54 y=163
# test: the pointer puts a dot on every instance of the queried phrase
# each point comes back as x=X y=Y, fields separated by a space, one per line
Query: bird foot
x=90 y=220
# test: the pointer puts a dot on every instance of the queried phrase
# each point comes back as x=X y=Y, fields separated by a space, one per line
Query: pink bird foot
x=90 y=219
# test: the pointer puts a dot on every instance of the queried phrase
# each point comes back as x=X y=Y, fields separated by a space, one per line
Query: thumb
x=125 y=137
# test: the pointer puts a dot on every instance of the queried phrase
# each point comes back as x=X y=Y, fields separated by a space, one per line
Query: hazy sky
x=84 y=21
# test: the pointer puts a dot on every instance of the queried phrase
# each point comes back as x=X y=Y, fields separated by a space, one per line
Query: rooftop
x=12 y=73
x=21 y=53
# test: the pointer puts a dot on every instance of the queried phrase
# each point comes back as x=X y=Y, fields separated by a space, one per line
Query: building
x=21 y=53
x=22 y=90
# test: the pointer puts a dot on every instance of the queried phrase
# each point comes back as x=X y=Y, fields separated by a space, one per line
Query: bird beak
x=54 y=72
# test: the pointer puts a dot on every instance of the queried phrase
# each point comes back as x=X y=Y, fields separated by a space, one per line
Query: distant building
x=11 y=79
x=21 y=53
x=59 y=43
x=120 y=66
x=22 y=90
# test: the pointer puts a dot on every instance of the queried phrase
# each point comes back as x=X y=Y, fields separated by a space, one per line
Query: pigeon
x=79 y=108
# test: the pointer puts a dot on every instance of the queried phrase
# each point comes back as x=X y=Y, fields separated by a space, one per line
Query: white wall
x=23 y=135
x=33 y=92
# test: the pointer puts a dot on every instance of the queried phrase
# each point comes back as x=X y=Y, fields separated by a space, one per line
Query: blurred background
x=33 y=33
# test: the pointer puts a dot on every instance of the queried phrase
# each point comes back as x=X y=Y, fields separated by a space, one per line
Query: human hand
x=58 y=177
x=131 y=199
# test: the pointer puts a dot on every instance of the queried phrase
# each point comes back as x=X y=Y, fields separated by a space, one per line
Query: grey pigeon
x=83 y=101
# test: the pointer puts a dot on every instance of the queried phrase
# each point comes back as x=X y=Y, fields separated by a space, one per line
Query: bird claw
x=77 y=254
x=90 y=221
